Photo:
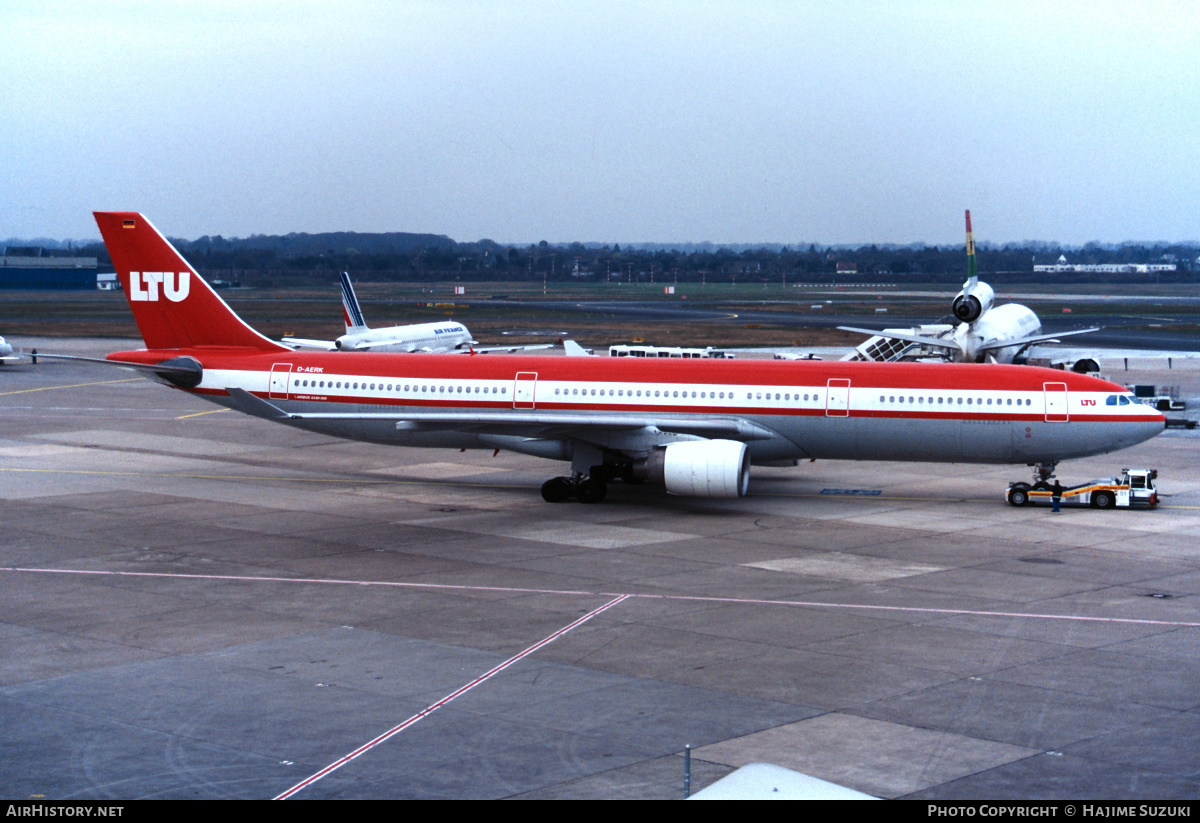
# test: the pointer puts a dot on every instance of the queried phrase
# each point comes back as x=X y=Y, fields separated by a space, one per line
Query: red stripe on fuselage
x=745 y=374
x=764 y=373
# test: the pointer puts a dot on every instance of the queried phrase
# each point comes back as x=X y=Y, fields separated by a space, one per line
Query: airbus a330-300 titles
x=693 y=426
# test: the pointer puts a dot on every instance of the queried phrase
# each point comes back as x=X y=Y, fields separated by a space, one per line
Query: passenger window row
x=409 y=388
x=951 y=401
x=788 y=397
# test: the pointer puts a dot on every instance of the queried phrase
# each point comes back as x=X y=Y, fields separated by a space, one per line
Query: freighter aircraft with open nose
x=693 y=426
x=985 y=333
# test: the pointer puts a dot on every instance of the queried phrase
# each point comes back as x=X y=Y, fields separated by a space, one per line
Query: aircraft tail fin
x=173 y=307
x=354 y=316
x=972 y=268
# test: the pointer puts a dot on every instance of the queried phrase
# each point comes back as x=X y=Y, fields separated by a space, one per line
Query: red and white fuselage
x=795 y=409
x=622 y=412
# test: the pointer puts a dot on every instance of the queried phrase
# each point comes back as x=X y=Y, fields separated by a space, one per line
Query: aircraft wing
x=520 y=422
x=1037 y=338
x=932 y=342
x=464 y=349
x=506 y=349
x=301 y=343
x=573 y=349
x=390 y=341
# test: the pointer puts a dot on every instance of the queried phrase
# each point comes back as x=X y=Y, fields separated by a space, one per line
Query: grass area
x=315 y=311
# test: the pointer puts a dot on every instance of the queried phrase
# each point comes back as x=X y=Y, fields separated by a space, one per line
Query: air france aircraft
x=422 y=337
x=6 y=352
x=418 y=337
x=986 y=333
x=693 y=426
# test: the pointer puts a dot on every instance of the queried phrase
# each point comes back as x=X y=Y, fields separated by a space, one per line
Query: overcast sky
x=833 y=122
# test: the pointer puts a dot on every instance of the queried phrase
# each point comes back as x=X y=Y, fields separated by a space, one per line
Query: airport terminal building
x=27 y=268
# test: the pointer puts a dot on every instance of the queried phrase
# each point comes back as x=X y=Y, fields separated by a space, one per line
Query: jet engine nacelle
x=699 y=468
x=974 y=299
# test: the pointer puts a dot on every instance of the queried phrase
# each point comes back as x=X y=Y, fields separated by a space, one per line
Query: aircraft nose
x=1152 y=427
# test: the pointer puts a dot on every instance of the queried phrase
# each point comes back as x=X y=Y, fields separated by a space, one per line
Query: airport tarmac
x=198 y=604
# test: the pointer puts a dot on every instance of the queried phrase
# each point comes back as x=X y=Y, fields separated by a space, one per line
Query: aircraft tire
x=1104 y=500
x=557 y=490
x=591 y=491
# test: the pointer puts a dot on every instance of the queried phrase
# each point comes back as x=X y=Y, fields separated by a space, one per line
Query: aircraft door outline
x=1056 y=402
x=281 y=374
x=524 y=390
x=837 y=397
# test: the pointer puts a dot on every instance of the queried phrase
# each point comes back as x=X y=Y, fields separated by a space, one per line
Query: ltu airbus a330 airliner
x=693 y=426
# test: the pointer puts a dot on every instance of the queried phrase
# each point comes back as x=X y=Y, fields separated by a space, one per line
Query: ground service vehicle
x=1133 y=488
x=670 y=351
x=1163 y=398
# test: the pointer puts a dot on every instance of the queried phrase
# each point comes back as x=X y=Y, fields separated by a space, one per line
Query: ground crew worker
x=1056 y=491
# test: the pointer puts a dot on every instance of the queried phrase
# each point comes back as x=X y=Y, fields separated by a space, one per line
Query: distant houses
x=1106 y=268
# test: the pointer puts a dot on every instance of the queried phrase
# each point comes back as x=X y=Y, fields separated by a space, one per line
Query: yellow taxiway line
x=70 y=386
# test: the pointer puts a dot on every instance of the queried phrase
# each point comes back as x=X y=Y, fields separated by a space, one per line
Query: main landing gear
x=586 y=488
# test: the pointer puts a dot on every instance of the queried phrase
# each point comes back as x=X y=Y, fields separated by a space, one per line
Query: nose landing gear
x=1042 y=472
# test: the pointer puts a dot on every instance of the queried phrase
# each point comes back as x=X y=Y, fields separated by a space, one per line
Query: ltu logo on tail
x=144 y=285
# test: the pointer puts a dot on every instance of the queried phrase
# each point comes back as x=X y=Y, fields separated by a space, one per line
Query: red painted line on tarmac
x=745 y=601
x=366 y=747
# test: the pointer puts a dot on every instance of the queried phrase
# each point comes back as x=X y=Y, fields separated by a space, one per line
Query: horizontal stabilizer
x=182 y=371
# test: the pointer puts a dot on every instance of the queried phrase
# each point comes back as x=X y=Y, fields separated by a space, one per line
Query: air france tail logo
x=144 y=285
